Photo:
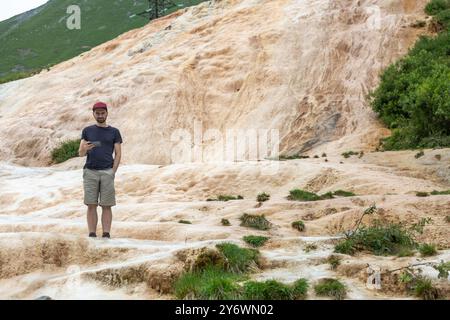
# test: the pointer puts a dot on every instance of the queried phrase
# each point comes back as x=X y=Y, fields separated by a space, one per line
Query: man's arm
x=118 y=154
x=85 y=146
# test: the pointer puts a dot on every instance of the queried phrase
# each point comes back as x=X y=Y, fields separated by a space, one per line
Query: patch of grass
x=239 y=260
x=211 y=283
x=299 y=225
x=436 y=193
x=435 y=6
x=348 y=154
x=405 y=252
x=447 y=219
x=422 y=194
x=334 y=261
x=255 y=241
x=343 y=193
x=255 y=221
x=427 y=250
x=331 y=288
x=209 y=259
x=262 y=197
x=443 y=268
x=66 y=150
x=184 y=221
x=224 y=197
x=295 y=156
x=274 y=290
x=225 y=222
x=419 y=154
x=423 y=288
x=302 y=195
x=380 y=239
x=310 y=247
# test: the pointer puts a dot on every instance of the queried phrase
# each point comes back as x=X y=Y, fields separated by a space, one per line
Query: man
x=99 y=141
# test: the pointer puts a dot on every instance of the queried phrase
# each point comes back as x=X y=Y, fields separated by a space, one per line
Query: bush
x=184 y=221
x=299 y=225
x=427 y=250
x=435 y=193
x=343 y=193
x=447 y=219
x=255 y=221
x=331 y=288
x=413 y=97
x=239 y=260
x=380 y=239
x=419 y=154
x=422 y=194
x=262 y=197
x=225 y=222
x=348 y=154
x=66 y=150
x=423 y=288
x=256 y=241
x=310 y=247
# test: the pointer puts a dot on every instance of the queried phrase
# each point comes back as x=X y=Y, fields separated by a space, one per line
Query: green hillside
x=39 y=38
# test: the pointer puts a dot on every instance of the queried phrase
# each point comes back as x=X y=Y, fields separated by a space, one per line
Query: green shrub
x=239 y=260
x=263 y=197
x=380 y=239
x=444 y=269
x=331 y=288
x=427 y=249
x=302 y=195
x=225 y=222
x=66 y=150
x=422 y=194
x=299 y=225
x=256 y=241
x=310 y=247
x=255 y=221
x=447 y=219
x=324 y=155
x=445 y=192
x=413 y=97
x=184 y=221
x=419 y=154
x=423 y=288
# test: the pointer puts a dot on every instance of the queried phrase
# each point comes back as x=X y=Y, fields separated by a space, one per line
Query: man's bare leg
x=106 y=218
x=92 y=217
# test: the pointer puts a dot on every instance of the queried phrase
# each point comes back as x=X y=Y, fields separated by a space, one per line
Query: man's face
x=100 y=115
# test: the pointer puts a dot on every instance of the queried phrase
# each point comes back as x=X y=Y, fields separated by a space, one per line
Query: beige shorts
x=99 y=182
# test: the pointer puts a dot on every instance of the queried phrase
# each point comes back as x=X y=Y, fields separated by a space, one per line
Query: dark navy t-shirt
x=100 y=158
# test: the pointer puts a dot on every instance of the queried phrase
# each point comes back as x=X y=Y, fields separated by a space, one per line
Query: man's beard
x=101 y=120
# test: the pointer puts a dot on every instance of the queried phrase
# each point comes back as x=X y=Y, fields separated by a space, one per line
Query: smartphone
x=96 y=143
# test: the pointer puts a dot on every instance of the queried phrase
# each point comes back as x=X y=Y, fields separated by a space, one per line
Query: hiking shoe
x=92 y=235
x=106 y=235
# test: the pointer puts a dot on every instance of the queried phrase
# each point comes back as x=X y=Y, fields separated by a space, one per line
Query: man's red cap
x=100 y=105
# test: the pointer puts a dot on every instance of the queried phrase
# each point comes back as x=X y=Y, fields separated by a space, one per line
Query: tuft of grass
x=209 y=258
x=324 y=155
x=239 y=260
x=255 y=221
x=423 y=288
x=343 y=193
x=348 y=154
x=380 y=239
x=225 y=222
x=262 y=197
x=334 y=261
x=274 y=290
x=443 y=268
x=302 y=195
x=66 y=150
x=310 y=247
x=427 y=250
x=447 y=219
x=184 y=221
x=291 y=157
x=419 y=154
x=422 y=194
x=436 y=193
x=405 y=252
x=299 y=225
x=255 y=241
x=331 y=288
x=224 y=197
x=211 y=283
